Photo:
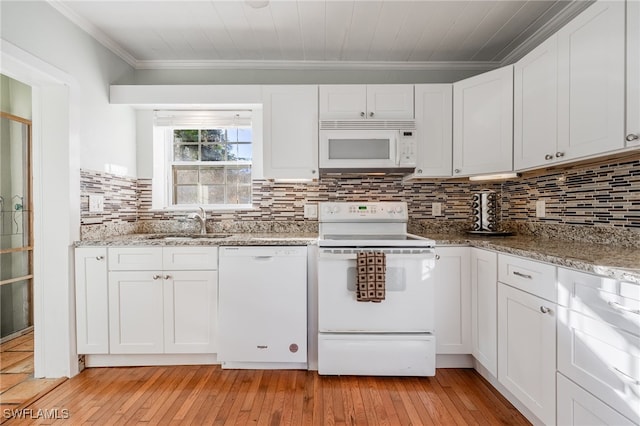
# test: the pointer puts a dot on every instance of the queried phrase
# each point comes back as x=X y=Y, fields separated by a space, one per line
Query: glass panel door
x=16 y=243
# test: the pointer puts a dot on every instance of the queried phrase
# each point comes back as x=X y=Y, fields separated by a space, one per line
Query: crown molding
x=316 y=65
x=94 y=32
x=572 y=10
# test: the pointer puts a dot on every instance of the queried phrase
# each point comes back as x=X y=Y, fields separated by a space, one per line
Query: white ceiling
x=418 y=33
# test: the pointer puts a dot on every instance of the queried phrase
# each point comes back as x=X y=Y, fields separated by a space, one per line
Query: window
x=208 y=158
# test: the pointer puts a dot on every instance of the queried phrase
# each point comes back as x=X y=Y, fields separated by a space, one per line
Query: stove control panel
x=366 y=211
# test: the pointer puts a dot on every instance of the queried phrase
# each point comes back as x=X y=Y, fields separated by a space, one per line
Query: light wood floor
x=17 y=385
x=202 y=395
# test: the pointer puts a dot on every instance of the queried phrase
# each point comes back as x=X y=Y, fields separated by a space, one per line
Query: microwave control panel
x=407 y=148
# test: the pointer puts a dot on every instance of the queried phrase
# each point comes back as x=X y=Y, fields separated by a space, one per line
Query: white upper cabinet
x=483 y=123
x=535 y=115
x=633 y=73
x=290 y=148
x=591 y=81
x=358 y=101
x=434 y=121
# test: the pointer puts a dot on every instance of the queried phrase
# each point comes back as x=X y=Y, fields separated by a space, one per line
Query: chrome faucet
x=201 y=218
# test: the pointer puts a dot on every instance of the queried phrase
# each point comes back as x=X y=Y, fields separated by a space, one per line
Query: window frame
x=164 y=167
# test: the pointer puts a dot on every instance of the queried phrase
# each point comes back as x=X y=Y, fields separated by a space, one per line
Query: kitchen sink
x=187 y=237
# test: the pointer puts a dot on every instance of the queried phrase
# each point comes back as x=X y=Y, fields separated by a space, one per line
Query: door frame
x=56 y=195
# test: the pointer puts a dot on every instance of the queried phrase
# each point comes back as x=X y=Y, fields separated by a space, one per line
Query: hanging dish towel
x=371 y=276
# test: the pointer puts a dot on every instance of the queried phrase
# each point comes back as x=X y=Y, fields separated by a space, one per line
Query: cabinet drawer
x=603 y=359
x=615 y=302
x=190 y=258
x=577 y=407
x=135 y=258
x=533 y=277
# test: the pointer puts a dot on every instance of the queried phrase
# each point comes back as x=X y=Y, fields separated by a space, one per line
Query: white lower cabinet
x=599 y=338
x=92 y=310
x=527 y=350
x=577 y=407
x=127 y=303
x=484 y=310
x=452 y=289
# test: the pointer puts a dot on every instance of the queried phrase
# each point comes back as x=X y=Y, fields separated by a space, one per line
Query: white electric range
x=394 y=336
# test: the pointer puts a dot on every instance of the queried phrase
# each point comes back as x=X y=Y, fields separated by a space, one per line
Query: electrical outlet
x=436 y=209
x=96 y=203
x=310 y=211
x=540 y=208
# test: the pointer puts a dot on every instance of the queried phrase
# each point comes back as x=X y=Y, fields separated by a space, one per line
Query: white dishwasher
x=262 y=313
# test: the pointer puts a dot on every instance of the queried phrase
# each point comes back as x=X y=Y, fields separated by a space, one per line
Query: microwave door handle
x=397 y=148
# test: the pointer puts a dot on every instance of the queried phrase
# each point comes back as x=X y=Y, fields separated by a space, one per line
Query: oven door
x=408 y=306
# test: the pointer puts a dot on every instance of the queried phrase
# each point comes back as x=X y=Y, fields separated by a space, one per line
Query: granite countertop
x=617 y=262
x=183 y=239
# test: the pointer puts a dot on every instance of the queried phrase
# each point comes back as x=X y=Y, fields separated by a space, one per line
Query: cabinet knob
x=167 y=277
x=559 y=154
x=371 y=114
x=99 y=257
x=437 y=257
x=544 y=309
x=457 y=170
x=632 y=137
x=362 y=114
x=419 y=171
x=313 y=172
x=548 y=157
x=156 y=277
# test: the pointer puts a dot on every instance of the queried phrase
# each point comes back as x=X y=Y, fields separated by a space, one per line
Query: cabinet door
x=135 y=312
x=577 y=407
x=527 y=350
x=483 y=123
x=601 y=358
x=390 y=101
x=190 y=311
x=452 y=288
x=633 y=73
x=535 y=115
x=591 y=80
x=343 y=101
x=434 y=120
x=92 y=306
x=290 y=132
x=484 y=308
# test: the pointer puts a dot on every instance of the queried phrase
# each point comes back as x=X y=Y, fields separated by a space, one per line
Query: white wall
x=74 y=126
x=107 y=132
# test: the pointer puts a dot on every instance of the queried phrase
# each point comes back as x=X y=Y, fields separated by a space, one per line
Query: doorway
x=16 y=219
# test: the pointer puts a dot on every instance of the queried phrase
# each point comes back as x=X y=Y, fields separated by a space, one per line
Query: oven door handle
x=421 y=254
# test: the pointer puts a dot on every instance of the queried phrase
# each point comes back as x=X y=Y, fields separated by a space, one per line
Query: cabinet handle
x=262 y=346
x=167 y=277
x=156 y=277
x=520 y=274
x=371 y=114
x=544 y=309
x=616 y=305
x=559 y=154
x=630 y=379
x=457 y=170
x=548 y=157
x=632 y=137
x=99 y=257
x=362 y=114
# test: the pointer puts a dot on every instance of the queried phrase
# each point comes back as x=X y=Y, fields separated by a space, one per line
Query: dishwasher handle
x=262 y=258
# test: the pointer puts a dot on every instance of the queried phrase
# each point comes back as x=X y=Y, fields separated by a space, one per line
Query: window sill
x=207 y=207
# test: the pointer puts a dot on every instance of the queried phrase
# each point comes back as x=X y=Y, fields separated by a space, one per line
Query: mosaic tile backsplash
x=604 y=195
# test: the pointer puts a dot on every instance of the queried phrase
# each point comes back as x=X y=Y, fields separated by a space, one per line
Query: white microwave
x=367 y=150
